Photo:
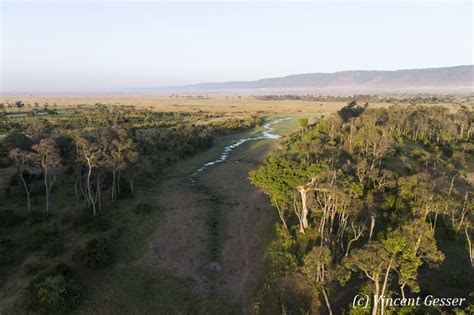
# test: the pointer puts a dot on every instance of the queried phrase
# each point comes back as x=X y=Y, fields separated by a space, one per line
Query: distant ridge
x=447 y=80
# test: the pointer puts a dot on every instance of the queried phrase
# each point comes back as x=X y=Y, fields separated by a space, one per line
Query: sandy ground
x=181 y=243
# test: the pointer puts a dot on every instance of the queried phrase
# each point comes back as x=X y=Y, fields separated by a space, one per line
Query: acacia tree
x=39 y=129
x=47 y=156
x=22 y=160
x=269 y=178
x=91 y=155
x=348 y=114
x=376 y=263
x=318 y=268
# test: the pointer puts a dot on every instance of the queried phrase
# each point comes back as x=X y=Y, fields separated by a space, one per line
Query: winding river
x=266 y=134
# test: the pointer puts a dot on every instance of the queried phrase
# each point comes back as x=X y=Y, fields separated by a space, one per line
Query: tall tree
x=22 y=160
x=47 y=156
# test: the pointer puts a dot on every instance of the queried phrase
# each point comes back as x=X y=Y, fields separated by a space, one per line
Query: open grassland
x=237 y=104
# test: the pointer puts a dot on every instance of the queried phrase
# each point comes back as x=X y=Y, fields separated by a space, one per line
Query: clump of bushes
x=86 y=222
x=6 y=251
x=95 y=254
x=33 y=268
x=142 y=208
x=55 y=248
x=9 y=218
x=52 y=292
x=42 y=236
x=35 y=217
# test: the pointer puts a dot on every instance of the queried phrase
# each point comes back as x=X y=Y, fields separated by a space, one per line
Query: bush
x=9 y=218
x=95 y=254
x=86 y=222
x=6 y=251
x=42 y=236
x=53 y=292
x=142 y=208
x=55 y=248
x=35 y=217
x=292 y=292
x=33 y=268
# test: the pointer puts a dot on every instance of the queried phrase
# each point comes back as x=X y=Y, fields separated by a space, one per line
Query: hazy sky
x=92 y=46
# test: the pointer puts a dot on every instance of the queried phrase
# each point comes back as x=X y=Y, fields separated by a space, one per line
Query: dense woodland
x=71 y=181
x=371 y=201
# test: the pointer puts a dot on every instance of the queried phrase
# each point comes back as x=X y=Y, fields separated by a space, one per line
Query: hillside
x=458 y=80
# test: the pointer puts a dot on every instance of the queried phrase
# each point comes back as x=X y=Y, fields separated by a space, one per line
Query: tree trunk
x=350 y=135
x=304 y=213
x=385 y=285
x=118 y=181
x=131 y=183
x=328 y=305
x=376 y=298
x=372 y=226
x=469 y=244
x=280 y=214
x=46 y=188
x=76 y=190
x=97 y=193
x=113 y=186
x=89 y=189
x=298 y=214
x=402 y=289
x=27 y=191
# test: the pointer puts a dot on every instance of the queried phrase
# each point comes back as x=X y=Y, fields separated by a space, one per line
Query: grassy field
x=214 y=104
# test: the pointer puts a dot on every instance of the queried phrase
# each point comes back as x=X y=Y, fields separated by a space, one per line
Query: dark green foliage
x=142 y=208
x=35 y=217
x=214 y=307
x=288 y=294
x=55 y=248
x=95 y=254
x=351 y=110
x=52 y=292
x=86 y=222
x=42 y=236
x=9 y=218
x=17 y=139
x=66 y=147
x=6 y=251
x=33 y=268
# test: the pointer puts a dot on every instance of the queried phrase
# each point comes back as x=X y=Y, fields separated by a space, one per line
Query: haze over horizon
x=92 y=47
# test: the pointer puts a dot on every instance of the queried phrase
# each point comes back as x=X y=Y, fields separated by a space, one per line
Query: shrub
x=95 y=254
x=86 y=222
x=142 y=208
x=35 y=217
x=6 y=251
x=9 y=218
x=53 y=292
x=55 y=248
x=33 y=268
x=42 y=236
